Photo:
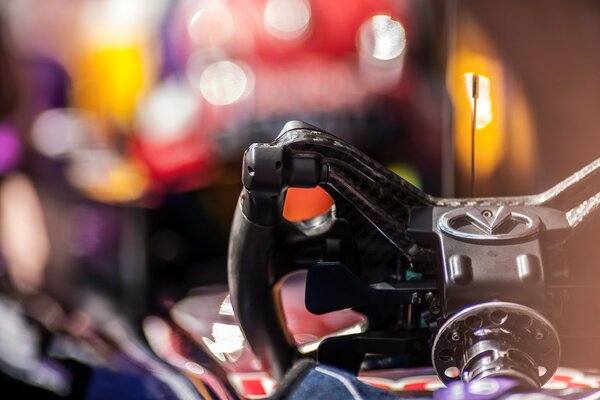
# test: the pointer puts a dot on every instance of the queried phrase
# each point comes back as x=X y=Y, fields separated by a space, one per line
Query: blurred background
x=122 y=129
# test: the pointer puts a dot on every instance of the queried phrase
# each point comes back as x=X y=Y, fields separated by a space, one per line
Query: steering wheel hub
x=496 y=339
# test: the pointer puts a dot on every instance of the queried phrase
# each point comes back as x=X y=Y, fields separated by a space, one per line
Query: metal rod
x=475 y=96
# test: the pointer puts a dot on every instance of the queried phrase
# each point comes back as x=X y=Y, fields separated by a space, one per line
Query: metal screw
x=539 y=335
x=487 y=213
x=416 y=298
x=455 y=336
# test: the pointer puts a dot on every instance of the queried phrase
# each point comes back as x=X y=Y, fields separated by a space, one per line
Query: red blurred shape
x=180 y=165
x=332 y=31
x=253 y=387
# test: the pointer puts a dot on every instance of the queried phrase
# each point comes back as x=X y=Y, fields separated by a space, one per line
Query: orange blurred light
x=505 y=140
x=303 y=204
x=108 y=178
x=490 y=142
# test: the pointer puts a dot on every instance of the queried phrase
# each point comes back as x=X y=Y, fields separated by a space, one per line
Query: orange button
x=301 y=204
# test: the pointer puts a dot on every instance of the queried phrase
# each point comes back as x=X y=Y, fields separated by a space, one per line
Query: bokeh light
x=57 y=133
x=25 y=244
x=382 y=38
x=225 y=82
x=484 y=100
x=211 y=24
x=287 y=19
x=170 y=111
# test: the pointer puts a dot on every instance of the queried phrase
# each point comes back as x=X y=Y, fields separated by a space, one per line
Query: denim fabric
x=106 y=384
x=307 y=380
x=327 y=383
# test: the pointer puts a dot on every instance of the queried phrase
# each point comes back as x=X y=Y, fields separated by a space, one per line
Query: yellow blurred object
x=490 y=143
x=109 y=81
x=114 y=61
x=126 y=182
x=109 y=179
x=504 y=128
x=408 y=173
x=521 y=130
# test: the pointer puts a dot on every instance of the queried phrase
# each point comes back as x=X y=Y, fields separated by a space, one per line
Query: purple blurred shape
x=10 y=148
x=489 y=388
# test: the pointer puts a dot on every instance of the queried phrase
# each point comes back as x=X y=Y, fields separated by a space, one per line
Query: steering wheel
x=468 y=285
